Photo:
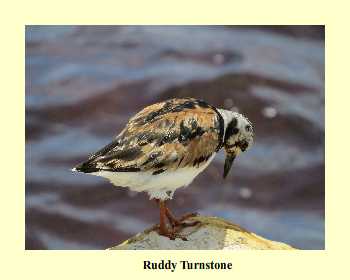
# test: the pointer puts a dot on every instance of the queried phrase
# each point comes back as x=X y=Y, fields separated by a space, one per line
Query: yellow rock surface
x=211 y=234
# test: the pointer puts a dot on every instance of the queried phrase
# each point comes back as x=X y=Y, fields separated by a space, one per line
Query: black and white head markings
x=238 y=137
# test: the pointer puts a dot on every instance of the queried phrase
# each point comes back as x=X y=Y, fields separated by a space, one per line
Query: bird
x=165 y=146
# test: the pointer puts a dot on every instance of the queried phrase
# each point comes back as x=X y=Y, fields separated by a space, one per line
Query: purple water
x=83 y=83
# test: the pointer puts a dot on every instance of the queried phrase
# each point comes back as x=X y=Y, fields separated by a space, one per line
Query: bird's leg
x=180 y=222
x=162 y=222
x=173 y=220
x=163 y=230
x=162 y=227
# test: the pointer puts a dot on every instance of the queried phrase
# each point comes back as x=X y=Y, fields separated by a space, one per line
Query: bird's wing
x=164 y=136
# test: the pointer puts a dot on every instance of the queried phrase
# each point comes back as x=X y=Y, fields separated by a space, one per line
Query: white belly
x=160 y=186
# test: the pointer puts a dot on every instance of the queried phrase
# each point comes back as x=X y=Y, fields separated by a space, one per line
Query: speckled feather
x=163 y=137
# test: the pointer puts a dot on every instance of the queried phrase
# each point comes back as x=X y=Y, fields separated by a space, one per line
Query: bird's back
x=164 y=137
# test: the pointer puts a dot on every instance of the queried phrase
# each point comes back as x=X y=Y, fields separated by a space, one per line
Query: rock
x=211 y=233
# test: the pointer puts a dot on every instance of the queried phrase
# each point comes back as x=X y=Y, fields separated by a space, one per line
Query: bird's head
x=238 y=137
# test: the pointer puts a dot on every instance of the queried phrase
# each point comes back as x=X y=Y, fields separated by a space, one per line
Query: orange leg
x=163 y=230
x=180 y=222
x=176 y=224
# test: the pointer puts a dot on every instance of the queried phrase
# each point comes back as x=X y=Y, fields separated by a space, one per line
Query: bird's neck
x=227 y=116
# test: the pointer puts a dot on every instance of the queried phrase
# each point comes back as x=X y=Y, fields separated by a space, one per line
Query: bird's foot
x=171 y=234
x=176 y=224
x=181 y=221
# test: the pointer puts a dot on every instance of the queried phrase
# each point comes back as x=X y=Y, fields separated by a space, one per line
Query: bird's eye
x=248 y=128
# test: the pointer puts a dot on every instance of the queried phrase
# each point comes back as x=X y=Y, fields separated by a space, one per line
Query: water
x=83 y=83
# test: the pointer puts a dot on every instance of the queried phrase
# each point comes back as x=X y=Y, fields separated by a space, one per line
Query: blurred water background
x=84 y=82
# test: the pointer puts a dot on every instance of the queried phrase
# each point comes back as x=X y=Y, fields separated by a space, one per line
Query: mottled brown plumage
x=163 y=137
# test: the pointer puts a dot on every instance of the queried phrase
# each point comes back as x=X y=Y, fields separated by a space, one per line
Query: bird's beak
x=228 y=163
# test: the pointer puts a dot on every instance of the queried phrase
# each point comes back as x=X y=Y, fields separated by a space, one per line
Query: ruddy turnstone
x=165 y=146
